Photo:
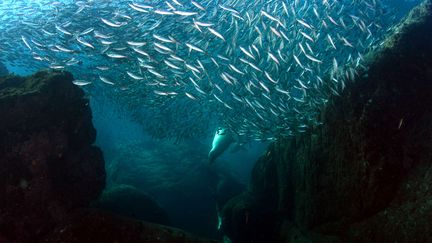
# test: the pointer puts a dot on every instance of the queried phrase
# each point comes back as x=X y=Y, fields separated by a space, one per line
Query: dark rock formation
x=48 y=165
x=226 y=188
x=3 y=69
x=366 y=174
x=95 y=226
x=129 y=201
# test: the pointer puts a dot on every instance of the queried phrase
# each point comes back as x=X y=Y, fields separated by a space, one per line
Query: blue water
x=174 y=172
x=190 y=197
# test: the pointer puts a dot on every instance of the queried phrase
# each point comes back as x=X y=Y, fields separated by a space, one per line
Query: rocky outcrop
x=131 y=202
x=366 y=174
x=48 y=165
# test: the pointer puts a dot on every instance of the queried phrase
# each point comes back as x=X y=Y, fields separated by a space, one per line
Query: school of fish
x=262 y=68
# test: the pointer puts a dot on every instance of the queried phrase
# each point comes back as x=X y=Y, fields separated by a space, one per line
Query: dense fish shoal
x=260 y=68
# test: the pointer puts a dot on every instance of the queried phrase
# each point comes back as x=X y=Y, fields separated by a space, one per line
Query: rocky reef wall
x=48 y=165
x=366 y=174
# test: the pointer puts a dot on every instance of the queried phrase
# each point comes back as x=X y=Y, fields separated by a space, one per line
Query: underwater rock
x=251 y=216
x=128 y=201
x=96 y=226
x=3 y=70
x=227 y=187
x=179 y=179
x=48 y=165
x=365 y=175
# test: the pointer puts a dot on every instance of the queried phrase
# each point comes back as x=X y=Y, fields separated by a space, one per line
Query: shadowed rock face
x=48 y=165
x=366 y=174
x=129 y=201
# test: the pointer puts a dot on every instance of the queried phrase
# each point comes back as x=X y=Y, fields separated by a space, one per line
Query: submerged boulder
x=365 y=175
x=48 y=165
x=129 y=201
